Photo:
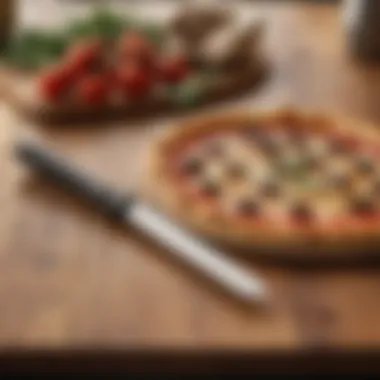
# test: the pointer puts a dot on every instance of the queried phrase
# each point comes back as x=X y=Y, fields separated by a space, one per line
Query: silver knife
x=214 y=264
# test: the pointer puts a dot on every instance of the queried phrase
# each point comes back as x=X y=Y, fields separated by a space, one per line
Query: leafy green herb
x=102 y=23
x=191 y=91
x=33 y=48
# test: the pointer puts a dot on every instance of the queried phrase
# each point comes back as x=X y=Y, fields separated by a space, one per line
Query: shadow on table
x=191 y=361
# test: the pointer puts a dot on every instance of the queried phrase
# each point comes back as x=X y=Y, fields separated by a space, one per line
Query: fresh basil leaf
x=107 y=24
x=80 y=29
x=190 y=92
x=155 y=33
x=33 y=48
x=56 y=44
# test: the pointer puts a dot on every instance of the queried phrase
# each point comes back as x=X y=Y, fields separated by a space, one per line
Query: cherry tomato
x=93 y=89
x=134 y=47
x=134 y=80
x=111 y=78
x=84 y=56
x=173 y=69
x=53 y=83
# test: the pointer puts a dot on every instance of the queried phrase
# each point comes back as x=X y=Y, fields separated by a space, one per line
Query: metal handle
x=218 y=267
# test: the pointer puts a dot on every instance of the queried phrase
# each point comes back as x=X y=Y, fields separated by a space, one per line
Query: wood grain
x=69 y=279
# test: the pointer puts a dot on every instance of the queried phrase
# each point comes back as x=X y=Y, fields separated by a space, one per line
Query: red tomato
x=111 y=78
x=134 y=80
x=83 y=56
x=53 y=83
x=174 y=69
x=134 y=47
x=93 y=89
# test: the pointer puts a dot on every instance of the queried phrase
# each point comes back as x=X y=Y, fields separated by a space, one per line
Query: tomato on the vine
x=53 y=83
x=134 y=47
x=134 y=80
x=84 y=56
x=173 y=69
x=93 y=89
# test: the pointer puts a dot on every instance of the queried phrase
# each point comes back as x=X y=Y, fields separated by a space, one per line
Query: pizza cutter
x=129 y=209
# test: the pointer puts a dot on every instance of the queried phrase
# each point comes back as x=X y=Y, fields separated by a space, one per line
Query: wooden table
x=69 y=281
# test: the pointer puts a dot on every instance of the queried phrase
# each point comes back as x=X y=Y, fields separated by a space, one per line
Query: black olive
x=376 y=186
x=248 y=207
x=339 y=146
x=271 y=188
x=339 y=181
x=210 y=188
x=365 y=165
x=301 y=211
x=236 y=170
x=362 y=205
x=191 y=165
x=311 y=162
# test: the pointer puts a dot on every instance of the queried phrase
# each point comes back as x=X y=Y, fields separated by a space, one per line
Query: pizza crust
x=284 y=240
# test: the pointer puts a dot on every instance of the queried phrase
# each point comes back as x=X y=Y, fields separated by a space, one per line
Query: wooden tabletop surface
x=70 y=280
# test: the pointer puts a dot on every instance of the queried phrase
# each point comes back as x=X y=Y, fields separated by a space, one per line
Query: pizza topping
x=362 y=204
x=339 y=146
x=270 y=188
x=280 y=143
x=267 y=144
x=209 y=188
x=191 y=165
x=134 y=47
x=338 y=176
x=312 y=162
x=93 y=89
x=247 y=207
x=236 y=170
x=84 y=56
x=339 y=181
x=292 y=165
x=300 y=211
x=376 y=187
x=134 y=80
x=315 y=153
x=364 y=164
x=317 y=147
x=296 y=135
x=53 y=83
x=215 y=171
x=174 y=69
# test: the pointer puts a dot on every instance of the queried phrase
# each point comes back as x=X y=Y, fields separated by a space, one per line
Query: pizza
x=128 y=70
x=286 y=181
